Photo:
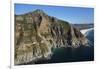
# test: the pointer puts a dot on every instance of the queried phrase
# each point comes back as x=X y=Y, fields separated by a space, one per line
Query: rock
x=36 y=34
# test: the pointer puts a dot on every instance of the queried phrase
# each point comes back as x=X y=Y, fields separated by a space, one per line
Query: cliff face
x=37 y=34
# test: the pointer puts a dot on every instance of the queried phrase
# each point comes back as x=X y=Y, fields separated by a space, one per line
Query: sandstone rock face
x=37 y=34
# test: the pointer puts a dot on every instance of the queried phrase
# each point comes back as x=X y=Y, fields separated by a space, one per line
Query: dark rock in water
x=37 y=35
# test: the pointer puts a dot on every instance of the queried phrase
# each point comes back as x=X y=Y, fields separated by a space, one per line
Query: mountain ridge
x=37 y=34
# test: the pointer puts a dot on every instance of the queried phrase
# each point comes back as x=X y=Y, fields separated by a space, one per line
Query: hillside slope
x=37 y=35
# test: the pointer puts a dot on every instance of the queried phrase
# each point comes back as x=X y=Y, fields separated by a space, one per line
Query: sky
x=75 y=15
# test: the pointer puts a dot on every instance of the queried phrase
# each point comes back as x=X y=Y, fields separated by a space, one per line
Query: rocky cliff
x=37 y=35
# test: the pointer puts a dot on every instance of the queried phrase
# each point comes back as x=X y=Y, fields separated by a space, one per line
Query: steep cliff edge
x=37 y=34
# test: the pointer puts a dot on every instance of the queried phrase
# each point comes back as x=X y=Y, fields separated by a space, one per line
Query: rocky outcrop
x=37 y=34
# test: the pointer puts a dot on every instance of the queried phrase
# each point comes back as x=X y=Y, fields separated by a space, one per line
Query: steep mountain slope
x=37 y=35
